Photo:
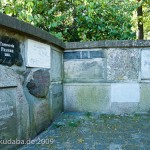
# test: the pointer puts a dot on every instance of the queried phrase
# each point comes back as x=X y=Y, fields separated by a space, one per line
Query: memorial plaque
x=37 y=54
x=145 y=64
x=10 y=51
x=8 y=117
x=84 y=55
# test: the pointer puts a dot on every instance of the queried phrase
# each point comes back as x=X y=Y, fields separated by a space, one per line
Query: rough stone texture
x=87 y=97
x=8 y=77
x=38 y=84
x=124 y=107
x=84 y=70
x=56 y=99
x=56 y=65
x=14 y=109
x=41 y=112
x=123 y=64
x=144 y=105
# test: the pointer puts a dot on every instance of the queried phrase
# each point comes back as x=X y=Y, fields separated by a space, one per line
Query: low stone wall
x=107 y=77
x=31 y=81
x=39 y=80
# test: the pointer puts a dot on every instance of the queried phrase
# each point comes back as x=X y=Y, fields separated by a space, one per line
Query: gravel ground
x=90 y=131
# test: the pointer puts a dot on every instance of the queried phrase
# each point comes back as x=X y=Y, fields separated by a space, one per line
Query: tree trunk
x=140 y=23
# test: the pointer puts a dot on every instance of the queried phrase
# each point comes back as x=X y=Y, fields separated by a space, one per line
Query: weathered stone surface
x=108 y=44
x=56 y=66
x=8 y=77
x=87 y=97
x=125 y=92
x=8 y=115
x=56 y=99
x=123 y=64
x=38 y=83
x=144 y=104
x=123 y=108
x=41 y=114
x=14 y=109
x=10 y=51
x=145 y=64
x=84 y=71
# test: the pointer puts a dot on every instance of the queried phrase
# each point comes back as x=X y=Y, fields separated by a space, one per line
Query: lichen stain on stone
x=92 y=99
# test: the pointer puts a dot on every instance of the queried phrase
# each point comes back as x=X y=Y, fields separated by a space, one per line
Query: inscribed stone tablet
x=10 y=51
x=37 y=54
x=8 y=117
x=145 y=64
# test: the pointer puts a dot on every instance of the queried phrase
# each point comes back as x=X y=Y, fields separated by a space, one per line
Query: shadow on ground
x=87 y=131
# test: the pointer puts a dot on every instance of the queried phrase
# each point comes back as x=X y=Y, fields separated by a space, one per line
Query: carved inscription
x=38 y=54
x=5 y=110
x=10 y=51
x=8 y=117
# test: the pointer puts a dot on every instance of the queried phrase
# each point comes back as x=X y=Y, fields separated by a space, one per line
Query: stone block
x=125 y=92
x=41 y=114
x=145 y=64
x=144 y=104
x=56 y=65
x=8 y=77
x=87 y=97
x=56 y=99
x=123 y=64
x=84 y=70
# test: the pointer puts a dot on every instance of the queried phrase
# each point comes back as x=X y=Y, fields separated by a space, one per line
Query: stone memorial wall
x=41 y=76
x=31 y=94
x=107 y=77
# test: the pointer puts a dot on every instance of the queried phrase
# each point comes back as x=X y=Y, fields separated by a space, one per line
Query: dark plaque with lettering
x=10 y=51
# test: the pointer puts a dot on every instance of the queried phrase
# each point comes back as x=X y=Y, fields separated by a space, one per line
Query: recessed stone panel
x=56 y=66
x=37 y=54
x=123 y=64
x=145 y=64
x=84 y=70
